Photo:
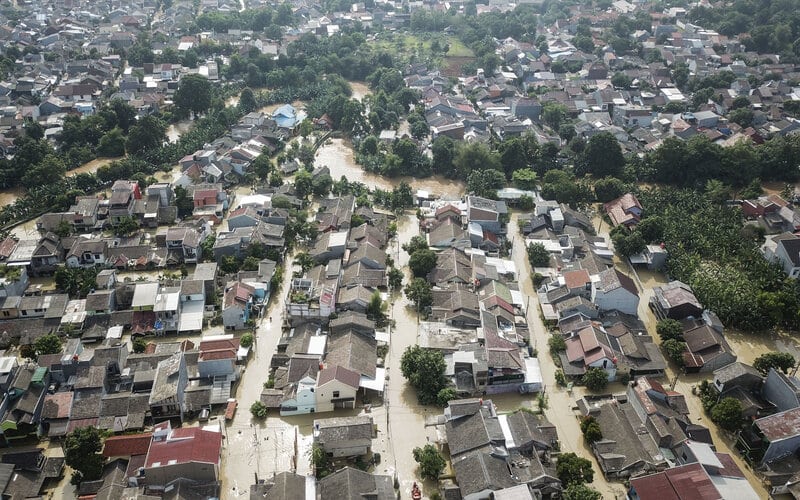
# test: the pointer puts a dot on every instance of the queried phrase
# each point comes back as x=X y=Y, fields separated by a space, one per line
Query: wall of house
x=777 y=392
x=348 y=448
x=619 y=299
x=782 y=448
x=326 y=392
x=717 y=362
x=233 y=317
x=786 y=262
x=304 y=402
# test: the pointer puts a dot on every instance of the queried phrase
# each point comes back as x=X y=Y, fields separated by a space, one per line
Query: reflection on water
x=337 y=155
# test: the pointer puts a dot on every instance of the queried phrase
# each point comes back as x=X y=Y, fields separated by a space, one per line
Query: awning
x=377 y=384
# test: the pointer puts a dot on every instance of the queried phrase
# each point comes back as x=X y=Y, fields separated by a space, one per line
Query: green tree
x=321 y=185
x=303 y=183
x=608 y=188
x=779 y=360
x=602 y=157
x=246 y=340
x=553 y=114
x=193 y=94
x=50 y=170
x=674 y=349
x=422 y=262
x=81 y=448
x=112 y=143
x=139 y=345
x=376 y=308
x=446 y=395
x=431 y=463
x=47 y=344
x=395 y=278
x=556 y=344
x=247 y=101
x=415 y=243
x=670 y=329
x=591 y=429
x=524 y=178
x=728 y=414
x=538 y=255
x=443 y=150
x=628 y=243
x=485 y=183
x=474 y=156
x=621 y=81
x=258 y=410
x=595 y=379
x=424 y=370
x=125 y=226
x=149 y=133
x=420 y=293
x=578 y=491
x=572 y=469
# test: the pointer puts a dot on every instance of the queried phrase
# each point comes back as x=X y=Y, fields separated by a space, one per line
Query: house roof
x=576 y=279
x=612 y=279
x=678 y=483
x=338 y=429
x=126 y=446
x=780 y=425
x=340 y=373
x=353 y=484
x=57 y=405
x=353 y=351
x=185 y=445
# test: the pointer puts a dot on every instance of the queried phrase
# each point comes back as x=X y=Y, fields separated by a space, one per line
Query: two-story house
x=124 y=194
x=336 y=388
x=87 y=253
x=615 y=291
x=184 y=242
x=236 y=305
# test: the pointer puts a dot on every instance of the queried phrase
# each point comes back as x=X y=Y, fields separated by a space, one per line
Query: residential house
x=491 y=215
x=675 y=300
x=21 y=407
x=787 y=254
x=781 y=390
x=299 y=398
x=87 y=253
x=236 y=305
x=183 y=244
x=706 y=347
x=344 y=436
x=192 y=453
x=336 y=387
x=167 y=395
x=615 y=291
x=775 y=437
x=584 y=351
x=625 y=210
x=124 y=194
x=47 y=254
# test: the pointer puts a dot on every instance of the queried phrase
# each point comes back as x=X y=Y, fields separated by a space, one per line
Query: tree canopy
x=572 y=469
x=782 y=361
x=424 y=370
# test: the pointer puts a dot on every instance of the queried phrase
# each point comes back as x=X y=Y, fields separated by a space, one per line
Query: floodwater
x=176 y=130
x=91 y=167
x=360 y=90
x=337 y=155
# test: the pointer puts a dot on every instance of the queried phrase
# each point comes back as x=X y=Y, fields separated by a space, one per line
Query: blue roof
x=287 y=110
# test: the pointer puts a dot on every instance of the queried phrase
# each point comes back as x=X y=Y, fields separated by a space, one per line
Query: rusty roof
x=780 y=425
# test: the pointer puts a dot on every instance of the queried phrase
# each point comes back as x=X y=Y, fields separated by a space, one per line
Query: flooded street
x=360 y=90
x=337 y=155
x=560 y=411
x=91 y=167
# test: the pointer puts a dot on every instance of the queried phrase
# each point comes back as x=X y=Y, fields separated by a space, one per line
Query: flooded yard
x=337 y=155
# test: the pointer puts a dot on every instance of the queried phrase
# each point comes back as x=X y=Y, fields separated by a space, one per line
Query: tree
x=139 y=345
x=424 y=370
x=81 y=448
x=431 y=463
x=112 y=143
x=376 y=308
x=321 y=185
x=608 y=188
x=779 y=360
x=577 y=491
x=303 y=183
x=524 y=178
x=258 y=410
x=595 y=379
x=572 y=469
x=247 y=101
x=246 y=340
x=193 y=94
x=621 y=81
x=628 y=243
x=147 y=134
x=674 y=349
x=422 y=262
x=183 y=201
x=556 y=344
x=538 y=255
x=444 y=151
x=126 y=225
x=474 y=156
x=670 y=329
x=50 y=170
x=553 y=114
x=591 y=429
x=485 y=183
x=446 y=395
x=602 y=157
x=395 y=278
x=47 y=344
x=728 y=414
x=420 y=293
x=414 y=244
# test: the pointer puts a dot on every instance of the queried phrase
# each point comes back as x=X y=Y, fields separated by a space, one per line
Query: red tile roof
x=678 y=483
x=126 y=446
x=576 y=279
x=185 y=445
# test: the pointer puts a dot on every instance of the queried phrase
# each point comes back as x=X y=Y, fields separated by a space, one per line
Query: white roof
x=167 y=300
x=704 y=454
x=337 y=239
x=533 y=372
x=144 y=294
x=733 y=488
x=376 y=384
x=114 y=332
x=507 y=434
x=316 y=344
x=7 y=363
x=255 y=200
x=191 y=316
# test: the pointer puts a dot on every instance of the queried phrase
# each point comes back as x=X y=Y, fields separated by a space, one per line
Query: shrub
x=595 y=379
x=258 y=410
x=246 y=340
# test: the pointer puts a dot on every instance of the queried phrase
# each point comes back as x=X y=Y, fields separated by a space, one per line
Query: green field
x=403 y=42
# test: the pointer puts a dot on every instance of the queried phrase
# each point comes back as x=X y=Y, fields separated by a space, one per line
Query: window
x=336 y=394
x=5 y=313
